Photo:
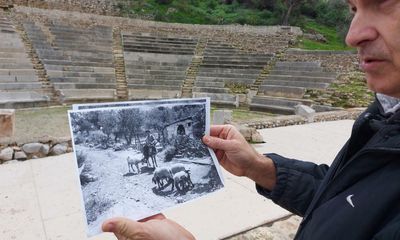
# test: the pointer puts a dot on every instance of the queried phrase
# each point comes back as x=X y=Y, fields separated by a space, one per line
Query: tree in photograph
x=157 y=118
x=199 y=123
x=93 y=118
x=184 y=111
x=107 y=120
x=79 y=123
x=130 y=121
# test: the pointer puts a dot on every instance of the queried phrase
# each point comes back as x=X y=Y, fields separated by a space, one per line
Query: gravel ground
x=284 y=229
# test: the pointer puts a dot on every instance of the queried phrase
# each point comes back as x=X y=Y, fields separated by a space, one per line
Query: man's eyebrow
x=350 y=2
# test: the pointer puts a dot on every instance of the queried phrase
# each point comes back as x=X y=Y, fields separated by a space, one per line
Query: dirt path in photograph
x=118 y=192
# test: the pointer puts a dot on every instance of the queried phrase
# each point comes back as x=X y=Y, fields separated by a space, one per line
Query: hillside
x=323 y=21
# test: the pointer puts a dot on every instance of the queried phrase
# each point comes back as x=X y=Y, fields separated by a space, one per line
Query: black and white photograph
x=137 y=160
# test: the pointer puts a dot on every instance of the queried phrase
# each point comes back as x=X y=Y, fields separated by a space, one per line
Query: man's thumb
x=121 y=226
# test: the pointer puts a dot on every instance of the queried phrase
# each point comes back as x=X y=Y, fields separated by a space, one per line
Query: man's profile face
x=375 y=32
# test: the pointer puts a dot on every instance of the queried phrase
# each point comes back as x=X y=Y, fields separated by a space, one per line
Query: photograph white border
x=137 y=104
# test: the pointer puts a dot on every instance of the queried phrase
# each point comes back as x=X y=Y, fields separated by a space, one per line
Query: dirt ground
x=112 y=191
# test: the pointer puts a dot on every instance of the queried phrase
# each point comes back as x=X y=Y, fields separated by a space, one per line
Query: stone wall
x=282 y=121
x=51 y=147
x=105 y=7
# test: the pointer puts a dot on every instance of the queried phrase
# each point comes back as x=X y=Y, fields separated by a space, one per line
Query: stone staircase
x=78 y=61
x=286 y=84
x=119 y=63
x=187 y=89
x=156 y=65
x=225 y=65
x=20 y=86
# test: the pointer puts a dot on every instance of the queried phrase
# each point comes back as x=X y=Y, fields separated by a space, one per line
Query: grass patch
x=243 y=115
x=32 y=124
x=334 y=41
x=351 y=94
x=350 y=91
x=239 y=88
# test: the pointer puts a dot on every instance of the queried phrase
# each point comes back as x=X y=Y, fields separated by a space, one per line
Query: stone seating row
x=156 y=44
x=162 y=71
x=92 y=86
x=286 y=85
x=76 y=60
x=224 y=64
x=155 y=38
x=276 y=105
x=19 y=84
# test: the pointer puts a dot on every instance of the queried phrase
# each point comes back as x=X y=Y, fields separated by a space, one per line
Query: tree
x=334 y=13
x=290 y=6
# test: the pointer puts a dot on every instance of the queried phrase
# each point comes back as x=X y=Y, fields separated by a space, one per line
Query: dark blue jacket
x=358 y=197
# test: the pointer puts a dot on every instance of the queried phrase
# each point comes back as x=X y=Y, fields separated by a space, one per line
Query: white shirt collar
x=389 y=104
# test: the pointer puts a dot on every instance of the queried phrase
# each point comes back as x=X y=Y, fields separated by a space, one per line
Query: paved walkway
x=40 y=199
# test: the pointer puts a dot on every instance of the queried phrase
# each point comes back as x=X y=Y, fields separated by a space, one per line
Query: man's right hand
x=238 y=157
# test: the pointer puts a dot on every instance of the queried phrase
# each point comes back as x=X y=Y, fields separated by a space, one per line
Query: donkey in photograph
x=149 y=152
x=149 y=149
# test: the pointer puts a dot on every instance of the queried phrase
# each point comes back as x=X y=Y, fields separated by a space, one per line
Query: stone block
x=305 y=111
x=7 y=123
x=6 y=154
x=256 y=137
x=59 y=149
x=21 y=156
x=45 y=149
x=32 y=148
x=246 y=132
x=242 y=98
x=222 y=117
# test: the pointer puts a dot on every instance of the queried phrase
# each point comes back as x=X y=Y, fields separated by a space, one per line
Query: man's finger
x=121 y=226
x=215 y=130
x=214 y=142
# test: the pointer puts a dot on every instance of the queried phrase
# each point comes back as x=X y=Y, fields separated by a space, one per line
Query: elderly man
x=358 y=196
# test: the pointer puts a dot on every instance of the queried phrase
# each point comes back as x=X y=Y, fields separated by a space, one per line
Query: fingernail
x=109 y=227
x=205 y=138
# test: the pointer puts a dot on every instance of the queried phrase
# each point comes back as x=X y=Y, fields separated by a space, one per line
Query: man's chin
x=378 y=88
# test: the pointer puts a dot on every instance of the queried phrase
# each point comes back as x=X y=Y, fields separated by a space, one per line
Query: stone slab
x=7 y=123
x=20 y=214
x=222 y=116
x=153 y=94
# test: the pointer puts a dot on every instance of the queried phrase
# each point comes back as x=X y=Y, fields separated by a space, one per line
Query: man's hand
x=156 y=227
x=238 y=157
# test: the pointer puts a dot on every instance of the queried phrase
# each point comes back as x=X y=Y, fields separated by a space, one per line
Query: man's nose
x=361 y=30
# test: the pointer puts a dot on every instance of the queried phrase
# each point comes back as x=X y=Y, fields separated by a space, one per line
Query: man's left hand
x=156 y=227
